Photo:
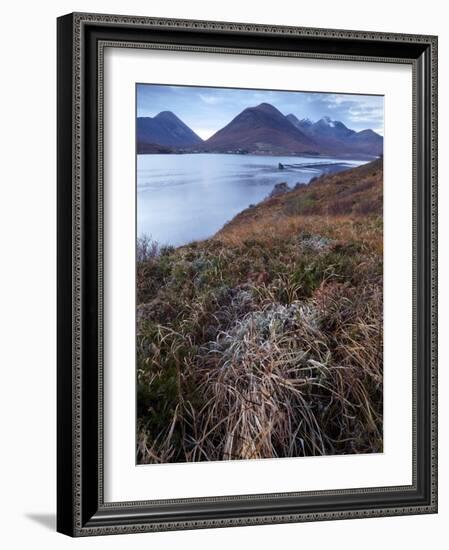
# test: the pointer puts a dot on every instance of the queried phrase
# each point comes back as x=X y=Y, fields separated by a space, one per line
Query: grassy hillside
x=266 y=340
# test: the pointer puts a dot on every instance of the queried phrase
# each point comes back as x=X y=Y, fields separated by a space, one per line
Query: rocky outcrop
x=299 y=185
x=279 y=189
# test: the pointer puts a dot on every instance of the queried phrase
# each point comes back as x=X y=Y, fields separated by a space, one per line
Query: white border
x=123 y=481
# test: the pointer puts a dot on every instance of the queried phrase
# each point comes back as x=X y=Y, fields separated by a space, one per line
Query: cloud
x=335 y=101
x=361 y=109
x=365 y=113
x=210 y=99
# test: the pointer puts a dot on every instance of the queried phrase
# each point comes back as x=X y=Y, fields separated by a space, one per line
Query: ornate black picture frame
x=81 y=509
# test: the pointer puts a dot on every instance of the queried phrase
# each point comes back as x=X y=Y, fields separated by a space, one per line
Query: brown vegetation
x=266 y=341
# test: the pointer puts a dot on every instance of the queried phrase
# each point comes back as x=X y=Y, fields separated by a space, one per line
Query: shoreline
x=333 y=169
x=368 y=158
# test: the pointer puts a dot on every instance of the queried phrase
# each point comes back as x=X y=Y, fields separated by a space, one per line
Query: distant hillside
x=367 y=141
x=165 y=129
x=261 y=129
x=336 y=138
x=153 y=148
x=358 y=191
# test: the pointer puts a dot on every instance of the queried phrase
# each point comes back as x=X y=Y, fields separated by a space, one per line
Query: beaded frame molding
x=82 y=37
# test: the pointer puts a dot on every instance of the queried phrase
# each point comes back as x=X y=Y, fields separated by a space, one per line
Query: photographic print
x=259 y=273
x=244 y=293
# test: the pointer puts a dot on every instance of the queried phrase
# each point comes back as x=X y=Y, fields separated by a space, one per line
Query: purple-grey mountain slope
x=165 y=129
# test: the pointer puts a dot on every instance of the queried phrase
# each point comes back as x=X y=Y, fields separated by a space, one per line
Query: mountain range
x=261 y=129
x=333 y=135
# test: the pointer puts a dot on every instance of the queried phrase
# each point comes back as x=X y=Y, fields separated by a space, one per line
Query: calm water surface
x=183 y=198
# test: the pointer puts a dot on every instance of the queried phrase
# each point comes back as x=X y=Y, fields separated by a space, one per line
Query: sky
x=207 y=110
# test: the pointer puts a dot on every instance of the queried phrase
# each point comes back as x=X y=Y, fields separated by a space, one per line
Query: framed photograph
x=247 y=274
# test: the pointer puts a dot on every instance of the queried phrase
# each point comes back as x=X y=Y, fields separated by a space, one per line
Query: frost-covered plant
x=314 y=243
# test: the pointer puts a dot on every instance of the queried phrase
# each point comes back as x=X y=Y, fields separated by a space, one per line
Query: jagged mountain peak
x=327 y=121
